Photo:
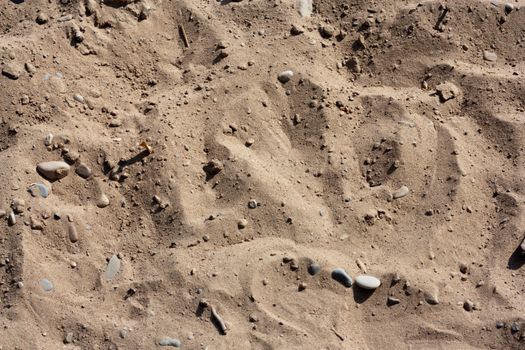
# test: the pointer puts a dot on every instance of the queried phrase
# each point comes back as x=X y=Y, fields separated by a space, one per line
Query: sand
x=202 y=185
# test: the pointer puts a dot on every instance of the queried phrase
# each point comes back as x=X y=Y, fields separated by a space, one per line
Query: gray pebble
x=242 y=223
x=54 y=170
x=170 y=342
x=391 y=301
x=285 y=76
x=38 y=190
x=48 y=140
x=46 y=285
x=341 y=276
x=314 y=269
x=431 y=299
x=468 y=305
x=79 y=98
x=368 y=282
x=515 y=327
x=11 y=219
x=490 y=56
x=71 y=156
x=112 y=268
x=500 y=324
x=83 y=171
x=102 y=201
x=12 y=70
x=68 y=339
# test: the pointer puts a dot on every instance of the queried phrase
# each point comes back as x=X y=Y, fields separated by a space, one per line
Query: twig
x=183 y=36
x=338 y=334
x=219 y=320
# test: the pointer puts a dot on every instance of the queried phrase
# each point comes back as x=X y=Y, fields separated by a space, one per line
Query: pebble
x=305 y=7
x=515 y=327
x=102 y=201
x=12 y=70
x=42 y=18
x=249 y=142
x=38 y=189
x=48 y=139
x=54 y=170
x=242 y=223
x=468 y=305
x=46 y=285
x=83 y=171
x=252 y=204
x=253 y=318
x=18 y=205
x=170 y=342
x=327 y=31
x=11 y=219
x=68 y=339
x=112 y=268
x=392 y=301
x=490 y=56
x=341 y=276
x=79 y=98
x=401 y=192
x=500 y=324
x=3 y=213
x=71 y=156
x=302 y=286
x=213 y=167
x=431 y=299
x=367 y=282
x=314 y=269
x=72 y=233
x=285 y=76
x=296 y=30
x=508 y=8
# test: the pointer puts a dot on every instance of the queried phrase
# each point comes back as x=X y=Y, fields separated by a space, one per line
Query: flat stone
x=48 y=140
x=167 y=341
x=391 y=301
x=285 y=76
x=54 y=170
x=400 y=192
x=83 y=171
x=341 y=276
x=113 y=268
x=296 y=30
x=490 y=56
x=314 y=269
x=12 y=70
x=38 y=190
x=46 y=285
x=327 y=31
x=368 y=282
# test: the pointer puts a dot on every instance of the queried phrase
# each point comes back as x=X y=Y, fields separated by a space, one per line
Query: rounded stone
x=314 y=269
x=401 y=192
x=167 y=341
x=83 y=171
x=102 y=201
x=54 y=170
x=285 y=76
x=46 y=285
x=368 y=282
x=242 y=223
x=72 y=233
x=341 y=276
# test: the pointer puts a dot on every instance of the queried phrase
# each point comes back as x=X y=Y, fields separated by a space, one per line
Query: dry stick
x=183 y=35
x=219 y=320
x=441 y=19
x=338 y=334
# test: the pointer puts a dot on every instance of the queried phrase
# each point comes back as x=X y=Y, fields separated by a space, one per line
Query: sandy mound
x=204 y=166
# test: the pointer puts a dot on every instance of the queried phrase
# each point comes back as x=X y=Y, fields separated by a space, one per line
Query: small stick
x=338 y=335
x=183 y=35
x=441 y=19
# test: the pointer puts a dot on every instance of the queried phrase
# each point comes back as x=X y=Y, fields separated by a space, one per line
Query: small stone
x=463 y=268
x=3 y=213
x=468 y=305
x=490 y=56
x=296 y=30
x=12 y=70
x=294 y=265
x=368 y=282
x=341 y=276
x=508 y=8
x=314 y=269
x=447 y=91
x=71 y=156
x=36 y=224
x=54 y=170
x=123 y=333
x=38 y=190
x=46 y=285
x=515 y=327
x=11 y=219
x=431 y=299
x=242 y=223
x=285 y=76
x=102 y=201
x=391 y=301
x=249 y=142
x=327 y=31
x=68 y=339
x=252 y=204
x=401 y=192
x=72 y=233
x=170 y=342
x=213 y=167
x=48 y=139
x=42 y=18
x=253 y=318
x=354 y=65
x=18 y=205
x=500 y=324
x=113 y=267
x=83 y=171
x=302 y=286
